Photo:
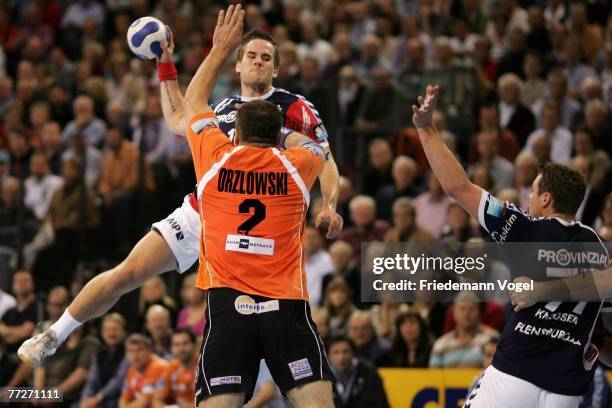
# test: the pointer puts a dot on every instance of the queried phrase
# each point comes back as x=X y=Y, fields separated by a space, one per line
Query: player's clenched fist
x=228 y=31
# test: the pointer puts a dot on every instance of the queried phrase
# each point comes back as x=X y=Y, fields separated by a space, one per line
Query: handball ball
x=145 y=35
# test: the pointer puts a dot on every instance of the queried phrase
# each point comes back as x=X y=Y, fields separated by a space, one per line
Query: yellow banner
x=427 y=388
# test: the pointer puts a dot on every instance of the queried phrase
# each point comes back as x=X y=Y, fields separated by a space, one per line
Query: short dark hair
x=567 y=187
x=257 y=34
x=259 y=122
x=140 y=339
x=341 y=338
x=186 y=332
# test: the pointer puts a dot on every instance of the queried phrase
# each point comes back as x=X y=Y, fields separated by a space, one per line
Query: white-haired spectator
x=561 y=139
x=85 y=122
x=403 y=171
x=513 y=115
x=368 y=345
x=502 y=170
x=366 y=228
x=527 y=166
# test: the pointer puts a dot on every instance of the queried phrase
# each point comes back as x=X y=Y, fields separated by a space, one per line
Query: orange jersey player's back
x=253 y=205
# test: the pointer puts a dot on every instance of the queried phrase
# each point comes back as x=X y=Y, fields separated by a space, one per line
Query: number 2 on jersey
x=258 y=215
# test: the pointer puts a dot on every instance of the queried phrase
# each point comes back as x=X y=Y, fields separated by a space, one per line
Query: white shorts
x=501 y=390
x=181 y=231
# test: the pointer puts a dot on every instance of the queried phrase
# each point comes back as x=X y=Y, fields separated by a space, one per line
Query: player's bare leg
x=150 y=257
x=223 y=401
x=316 y=394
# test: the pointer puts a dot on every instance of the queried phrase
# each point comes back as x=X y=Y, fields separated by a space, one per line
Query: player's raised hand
x=423 y=114
x=333 y=220
x=167 y=48
x=228 y=31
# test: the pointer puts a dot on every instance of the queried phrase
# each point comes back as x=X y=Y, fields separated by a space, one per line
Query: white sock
x=65 y=326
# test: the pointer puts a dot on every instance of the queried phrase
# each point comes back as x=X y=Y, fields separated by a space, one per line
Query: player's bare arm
x=170 y=91
x=592 y=286
x=328 y=180
x=445 y=166
x=225 y=39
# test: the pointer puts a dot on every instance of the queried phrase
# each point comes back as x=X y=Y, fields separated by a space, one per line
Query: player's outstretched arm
x=445 y=166
x=588 y=287
x=170 y=91
x=225 y=39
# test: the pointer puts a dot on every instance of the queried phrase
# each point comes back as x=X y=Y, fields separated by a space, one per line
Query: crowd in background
x=87 y=163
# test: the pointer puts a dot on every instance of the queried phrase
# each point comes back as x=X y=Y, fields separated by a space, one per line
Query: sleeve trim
x=481 y=210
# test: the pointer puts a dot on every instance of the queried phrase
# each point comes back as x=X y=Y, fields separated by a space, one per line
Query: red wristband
x=166 y=71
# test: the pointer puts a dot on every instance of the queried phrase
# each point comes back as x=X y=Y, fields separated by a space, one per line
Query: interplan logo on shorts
x=246 y=305
x=300 y=369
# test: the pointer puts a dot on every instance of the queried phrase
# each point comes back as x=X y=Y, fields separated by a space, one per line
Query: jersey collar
x=255 y=98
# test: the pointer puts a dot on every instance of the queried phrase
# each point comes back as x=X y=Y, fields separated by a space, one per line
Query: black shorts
x=242 y=329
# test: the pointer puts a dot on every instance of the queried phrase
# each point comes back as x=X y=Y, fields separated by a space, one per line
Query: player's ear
x=547 y=200
x=238 y=66
x=275 y=72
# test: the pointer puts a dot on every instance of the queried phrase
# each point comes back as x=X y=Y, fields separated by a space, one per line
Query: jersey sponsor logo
x=564 y=257
x=252 y=182
x=230 y=379
x=503 y=234
x=246 y=305
x=249 y=245
x=553 y=333
x=227 y=118
x=495 y=207
x=300 y=369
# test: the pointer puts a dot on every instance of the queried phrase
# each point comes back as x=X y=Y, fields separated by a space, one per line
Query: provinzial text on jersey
x=252 y=182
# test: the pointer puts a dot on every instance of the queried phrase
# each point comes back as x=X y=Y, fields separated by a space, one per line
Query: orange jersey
x=177 y=383
x=142 y=385
x=253 y=205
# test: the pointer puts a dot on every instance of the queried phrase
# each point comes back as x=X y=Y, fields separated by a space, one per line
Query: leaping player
x=163 y=249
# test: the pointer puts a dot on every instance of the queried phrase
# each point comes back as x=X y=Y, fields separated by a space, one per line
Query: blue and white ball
x=145 y=35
